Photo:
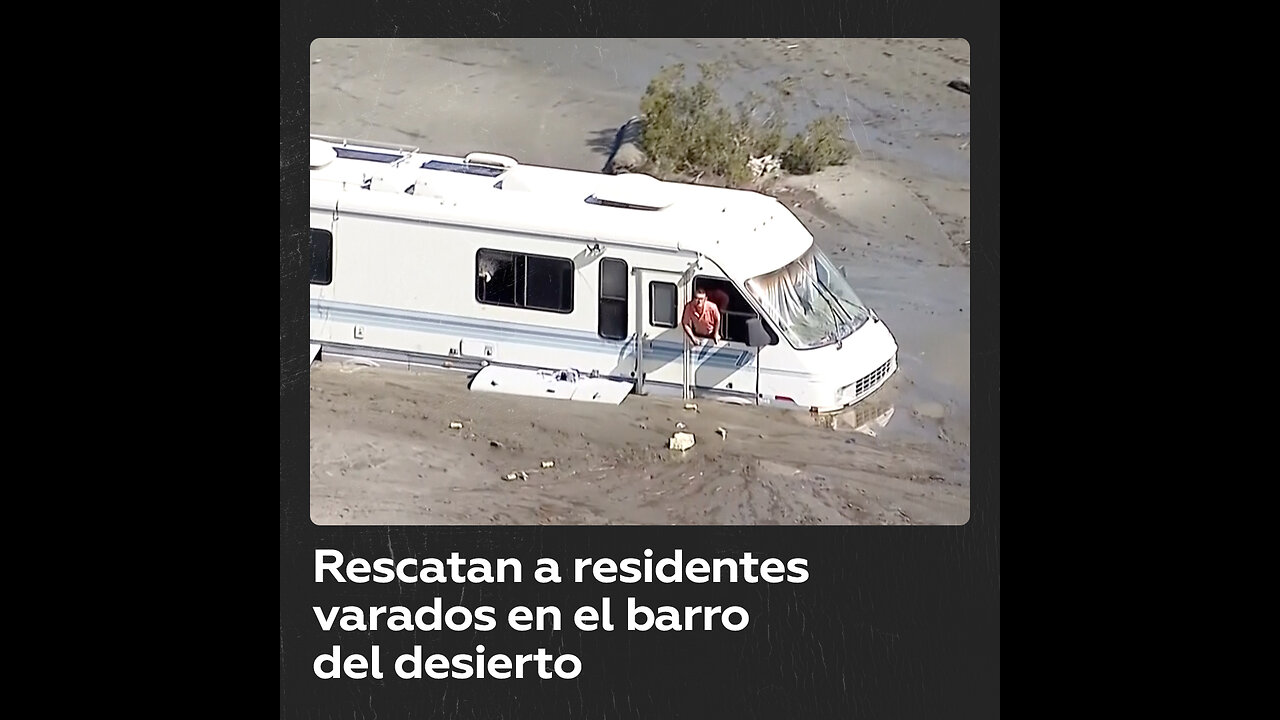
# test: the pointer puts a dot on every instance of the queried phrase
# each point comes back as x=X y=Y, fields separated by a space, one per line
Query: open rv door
x=661 y=353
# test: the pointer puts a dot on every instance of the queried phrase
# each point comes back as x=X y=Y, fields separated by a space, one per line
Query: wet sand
x=383 y=452
x=896 y=217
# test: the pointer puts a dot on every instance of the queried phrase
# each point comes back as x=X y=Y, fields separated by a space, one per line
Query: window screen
x=662 y=305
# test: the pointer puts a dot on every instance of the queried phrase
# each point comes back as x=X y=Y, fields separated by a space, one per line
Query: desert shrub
x=762 y=123
x=689 y=132
x=819 y=147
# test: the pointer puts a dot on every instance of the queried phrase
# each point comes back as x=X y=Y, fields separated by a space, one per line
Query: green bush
x=687 y=132
x=820 y=146
x=764 y=134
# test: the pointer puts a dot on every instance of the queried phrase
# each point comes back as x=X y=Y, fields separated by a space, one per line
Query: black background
x=894 y=622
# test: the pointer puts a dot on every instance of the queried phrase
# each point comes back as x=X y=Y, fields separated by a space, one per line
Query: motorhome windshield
x=810 y=301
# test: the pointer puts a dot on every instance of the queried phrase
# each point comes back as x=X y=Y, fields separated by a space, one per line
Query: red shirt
x=704 y=322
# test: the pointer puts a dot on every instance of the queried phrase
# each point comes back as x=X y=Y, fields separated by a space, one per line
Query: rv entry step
x=559 y=384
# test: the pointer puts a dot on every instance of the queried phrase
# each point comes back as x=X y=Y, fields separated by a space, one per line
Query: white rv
x=466 y=262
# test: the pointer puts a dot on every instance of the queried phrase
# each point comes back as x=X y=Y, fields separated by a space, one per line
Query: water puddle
x=868 y=417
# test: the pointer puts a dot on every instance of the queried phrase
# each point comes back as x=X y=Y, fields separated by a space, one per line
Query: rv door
x=661 y=297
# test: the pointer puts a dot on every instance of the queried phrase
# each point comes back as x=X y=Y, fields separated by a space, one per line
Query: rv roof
x=745 y=233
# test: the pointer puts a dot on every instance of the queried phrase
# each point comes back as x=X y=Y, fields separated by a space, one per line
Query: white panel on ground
x=559 y=384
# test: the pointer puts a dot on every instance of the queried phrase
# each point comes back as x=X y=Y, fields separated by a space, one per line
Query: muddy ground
x=896 y=217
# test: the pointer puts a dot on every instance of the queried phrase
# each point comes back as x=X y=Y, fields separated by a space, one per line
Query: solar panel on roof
x=461 y=168
x=354 y=154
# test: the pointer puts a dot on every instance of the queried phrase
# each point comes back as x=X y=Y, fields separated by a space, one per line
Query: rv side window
x=734 y=310
x=548 y=284
x=321 y=257
x=662 y=304
x=525 y=281
x=613 y=299
x=498 y=280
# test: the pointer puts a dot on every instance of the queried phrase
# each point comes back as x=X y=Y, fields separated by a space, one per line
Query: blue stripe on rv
x=564 y=339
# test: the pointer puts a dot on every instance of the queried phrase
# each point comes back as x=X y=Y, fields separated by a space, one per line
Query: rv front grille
x=872 y=379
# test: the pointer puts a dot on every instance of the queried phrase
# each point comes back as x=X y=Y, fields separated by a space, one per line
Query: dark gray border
x=894 y=622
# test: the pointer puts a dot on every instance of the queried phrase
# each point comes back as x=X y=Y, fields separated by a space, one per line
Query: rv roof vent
x=634 y=191
x=322 y=153
x=478 y=158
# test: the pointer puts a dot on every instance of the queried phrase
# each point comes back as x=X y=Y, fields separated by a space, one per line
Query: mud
x=383 y=452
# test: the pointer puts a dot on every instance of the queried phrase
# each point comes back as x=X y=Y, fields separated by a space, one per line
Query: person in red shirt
x=701 y=319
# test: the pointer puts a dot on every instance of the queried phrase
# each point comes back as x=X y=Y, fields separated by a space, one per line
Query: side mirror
x=843 y=274
x=757 y=335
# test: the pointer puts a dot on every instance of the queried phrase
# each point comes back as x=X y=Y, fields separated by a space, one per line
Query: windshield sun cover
x=809 y=301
